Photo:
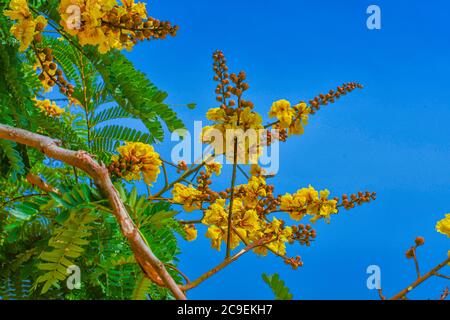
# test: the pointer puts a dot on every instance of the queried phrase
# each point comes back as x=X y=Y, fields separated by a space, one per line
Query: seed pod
x=420 y=241
x=39 y=27
x=38 y=38
x=125 y=18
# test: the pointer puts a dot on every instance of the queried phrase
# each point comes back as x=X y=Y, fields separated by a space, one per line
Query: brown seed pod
x=39 y=27
x=38 y=38
x=420 y=241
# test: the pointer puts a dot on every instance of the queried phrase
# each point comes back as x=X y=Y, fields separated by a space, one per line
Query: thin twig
x=222 y=265
x=416 y=262
x=166 y=179
x=230 y=210
x=380 y=293
x=5 y=203
x=243 y=172
x=442 y=276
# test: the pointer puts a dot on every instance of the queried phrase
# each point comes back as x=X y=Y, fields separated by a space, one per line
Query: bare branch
x=442 y=276
x=416 y=262
x=222 y=265
x=432 y=272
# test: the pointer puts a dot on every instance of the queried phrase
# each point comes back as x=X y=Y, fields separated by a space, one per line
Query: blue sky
x=391 y=137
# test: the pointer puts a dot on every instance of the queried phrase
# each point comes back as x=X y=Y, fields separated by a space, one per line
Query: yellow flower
x=301 y=119
x=282 y=110
x=300 y=203
x=26 y=26
x=191 y=232
x=188 y=196
x=249 y=223
x=18 y=10
x=49 y=108
x=245 y=222
x=237 y=125
x=216 y=213
x=308 y=201
x=215 y=234
x=249 y=119
x=216 y=114
x=279 y=237
x=256 y=170
x=322 y=207
x=255 y=188
x=443 y=226
x=108 y=25
x=213 y=167
x=139 y=158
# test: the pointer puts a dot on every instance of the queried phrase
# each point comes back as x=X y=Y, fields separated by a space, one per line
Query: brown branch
x=222 y=265
x=179 y=271
x=230 y=210
x=416 y=262
x=35 y=180
x=421 y=279
x=151 y=265
x=12 y=200
x=442 y=276
x=380 y=293
x=166 y=178
x=444 y=294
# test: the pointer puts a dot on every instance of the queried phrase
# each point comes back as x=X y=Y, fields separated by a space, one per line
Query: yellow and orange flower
x=26 y=26
x=137 y=160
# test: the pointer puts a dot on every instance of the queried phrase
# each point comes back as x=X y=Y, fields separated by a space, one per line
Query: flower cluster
x=213 y=167
x=234 y=116
x=252 y=204
x=108 y=25
x=188 y=196
x=308 y=201
x=28 y=31
x=443 y=226
x=49 y=108
x=283 y=111
x=27 y=27
x=136 y=159
x=245 y=213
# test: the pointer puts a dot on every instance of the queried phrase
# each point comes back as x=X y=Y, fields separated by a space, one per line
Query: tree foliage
x=43 y=233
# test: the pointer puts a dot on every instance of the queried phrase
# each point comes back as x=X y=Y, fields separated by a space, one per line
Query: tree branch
x=41 y=184
x=222 y=265
x=151 y=265
x=421 y=279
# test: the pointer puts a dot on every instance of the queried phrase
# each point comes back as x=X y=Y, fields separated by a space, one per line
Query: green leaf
x=136 y=94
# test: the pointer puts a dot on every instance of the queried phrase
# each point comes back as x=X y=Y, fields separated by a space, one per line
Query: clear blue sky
x=392 y=137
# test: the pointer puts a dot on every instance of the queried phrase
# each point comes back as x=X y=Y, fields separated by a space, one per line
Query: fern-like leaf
x=278 y=286
x=136 y=94
x=107 y=138
x=14 y=165
x=67 y=244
